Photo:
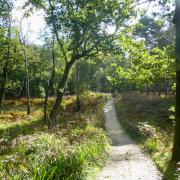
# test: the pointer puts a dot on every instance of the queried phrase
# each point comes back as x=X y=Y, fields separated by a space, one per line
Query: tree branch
x=56 y=33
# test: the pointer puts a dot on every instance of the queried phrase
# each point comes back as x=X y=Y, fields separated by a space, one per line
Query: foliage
x=141 y=68
x=119 y=46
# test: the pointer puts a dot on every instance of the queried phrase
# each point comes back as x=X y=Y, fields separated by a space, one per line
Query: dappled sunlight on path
x=126 y=161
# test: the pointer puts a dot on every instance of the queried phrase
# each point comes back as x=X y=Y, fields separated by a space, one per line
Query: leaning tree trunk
x=60 y=94
x=50 y=84
x=176 y=145
x=27 y=82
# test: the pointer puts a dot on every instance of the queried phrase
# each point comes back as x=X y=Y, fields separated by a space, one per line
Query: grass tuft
x=75 y=152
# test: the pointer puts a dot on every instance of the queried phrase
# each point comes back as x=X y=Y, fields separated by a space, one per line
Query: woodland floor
x=28 y=150
x=126 y=160
x=81 y=142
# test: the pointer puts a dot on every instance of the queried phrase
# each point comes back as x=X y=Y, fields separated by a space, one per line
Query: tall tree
x=5 y=68
x=50 y=82
x=26 y=62
x=5 y=26
x=176 y=147
x=81 y=31
x=27 y=81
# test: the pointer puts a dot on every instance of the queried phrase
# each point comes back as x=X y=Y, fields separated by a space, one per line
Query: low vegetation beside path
x=146 y=119
x=76 y=151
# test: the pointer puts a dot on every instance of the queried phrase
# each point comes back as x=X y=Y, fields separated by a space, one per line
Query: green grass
x=48 y=156
x=76 y=151
x=146 y=119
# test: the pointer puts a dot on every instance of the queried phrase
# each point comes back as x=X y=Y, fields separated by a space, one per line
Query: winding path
x=126 y=160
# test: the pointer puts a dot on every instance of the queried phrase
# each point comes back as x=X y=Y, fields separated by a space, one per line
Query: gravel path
x=126 y=160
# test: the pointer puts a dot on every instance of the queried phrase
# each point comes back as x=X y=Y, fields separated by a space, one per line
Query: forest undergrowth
x=76 y=151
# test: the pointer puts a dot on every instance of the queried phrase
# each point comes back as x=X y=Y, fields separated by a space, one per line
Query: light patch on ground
x=126 y=160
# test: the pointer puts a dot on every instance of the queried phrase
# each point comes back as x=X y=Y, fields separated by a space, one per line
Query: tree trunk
x=60 y=94
x=50 y=84
x=5 y=70
x=3 y=85
x=27 y=82
x=176 y=145
x=78 y=106
x=23 y=89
